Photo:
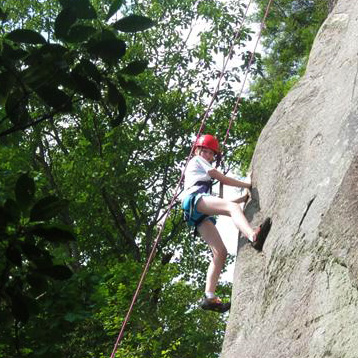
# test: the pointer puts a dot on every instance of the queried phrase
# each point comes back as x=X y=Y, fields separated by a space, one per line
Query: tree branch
x=121 y=224
x=33 y=123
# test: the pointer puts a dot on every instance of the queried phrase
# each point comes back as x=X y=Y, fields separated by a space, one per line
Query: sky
x=229 y=233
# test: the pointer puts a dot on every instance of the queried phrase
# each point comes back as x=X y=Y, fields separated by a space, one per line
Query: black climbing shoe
x=261 y=233
x=215 y=304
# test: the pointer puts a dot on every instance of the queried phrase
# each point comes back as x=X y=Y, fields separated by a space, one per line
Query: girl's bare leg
x=211 y=205
x=210 y=234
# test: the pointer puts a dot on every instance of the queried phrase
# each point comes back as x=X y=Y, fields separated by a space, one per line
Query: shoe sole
x=219 y=308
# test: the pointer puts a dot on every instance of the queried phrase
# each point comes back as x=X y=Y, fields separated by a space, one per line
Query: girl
x=199 y=206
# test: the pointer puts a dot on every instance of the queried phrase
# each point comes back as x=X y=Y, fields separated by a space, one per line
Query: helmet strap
x=218 y=159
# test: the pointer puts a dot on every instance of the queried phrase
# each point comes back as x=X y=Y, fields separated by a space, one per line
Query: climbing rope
x=235 y=110
x=175 y=195
x=222 y=72
x=236 y=106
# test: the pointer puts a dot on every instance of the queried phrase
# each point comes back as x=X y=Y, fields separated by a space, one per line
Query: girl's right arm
x=215 y=174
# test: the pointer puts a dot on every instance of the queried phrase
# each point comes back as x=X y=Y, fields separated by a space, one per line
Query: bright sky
x=229 y=232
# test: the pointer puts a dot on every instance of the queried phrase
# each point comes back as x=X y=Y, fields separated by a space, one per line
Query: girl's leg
x=211 y=205
x=210 y=234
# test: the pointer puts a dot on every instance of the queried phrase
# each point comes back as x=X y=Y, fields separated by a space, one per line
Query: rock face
x=299 y=297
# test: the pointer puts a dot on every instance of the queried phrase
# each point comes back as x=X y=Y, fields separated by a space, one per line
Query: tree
x=27 y=232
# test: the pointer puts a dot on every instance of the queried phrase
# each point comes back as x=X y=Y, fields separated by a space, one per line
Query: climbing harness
x=175 y=195
x=191 y=216
x=205 y=186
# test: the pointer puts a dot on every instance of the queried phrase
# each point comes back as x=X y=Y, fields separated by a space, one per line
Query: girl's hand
x=247 y=195
x=243 y=198
x=247 y=183
x=248 y=180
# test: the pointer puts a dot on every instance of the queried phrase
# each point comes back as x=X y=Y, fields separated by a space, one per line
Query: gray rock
x=299 y=297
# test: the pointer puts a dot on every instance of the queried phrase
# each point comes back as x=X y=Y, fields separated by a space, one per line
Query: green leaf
x=114 y=96
x=87 y=87
x=54 y=52
x=106 y=34
x=24 y=191
x=43 y=261
x=65 y=3
x=3 y=15
x=31 y=251
x=133 y=23
x=71 y=317
x=36 y=76
x=87 y=68
x=118 y=120
x=26 y=36
x=64 y=20
x=16 y=107
x=6 y=318
x=7 y=81
x=13 y=254
x=47 y=208
x=12 y=210
x=135 y=68
x=53 y=233
x=58 y=272
x=132 y=87
x=37 y=281
x=64 y=79
x=55 y=98
x=108 y=49
x=44 y=65
x=10 y=54
x=19 y=307
x=51 y=56
x=83 y=9
x=4 y=219
x=79 y=33
x=115 y=6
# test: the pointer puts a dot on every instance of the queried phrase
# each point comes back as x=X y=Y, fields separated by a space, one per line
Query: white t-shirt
x=197 y=170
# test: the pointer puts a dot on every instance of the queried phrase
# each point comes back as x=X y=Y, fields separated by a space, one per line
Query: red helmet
x=208 y=141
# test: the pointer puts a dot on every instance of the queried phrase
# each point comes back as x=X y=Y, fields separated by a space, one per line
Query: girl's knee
x=220 y=254
x=233 y=208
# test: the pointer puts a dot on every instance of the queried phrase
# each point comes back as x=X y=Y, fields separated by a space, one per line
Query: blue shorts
x=192 y=216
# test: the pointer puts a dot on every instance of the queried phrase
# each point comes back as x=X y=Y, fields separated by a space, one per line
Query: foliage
x=289 y=33
x=28 y=240
x=77 y=64
x=165 y=309
x=287 y=38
